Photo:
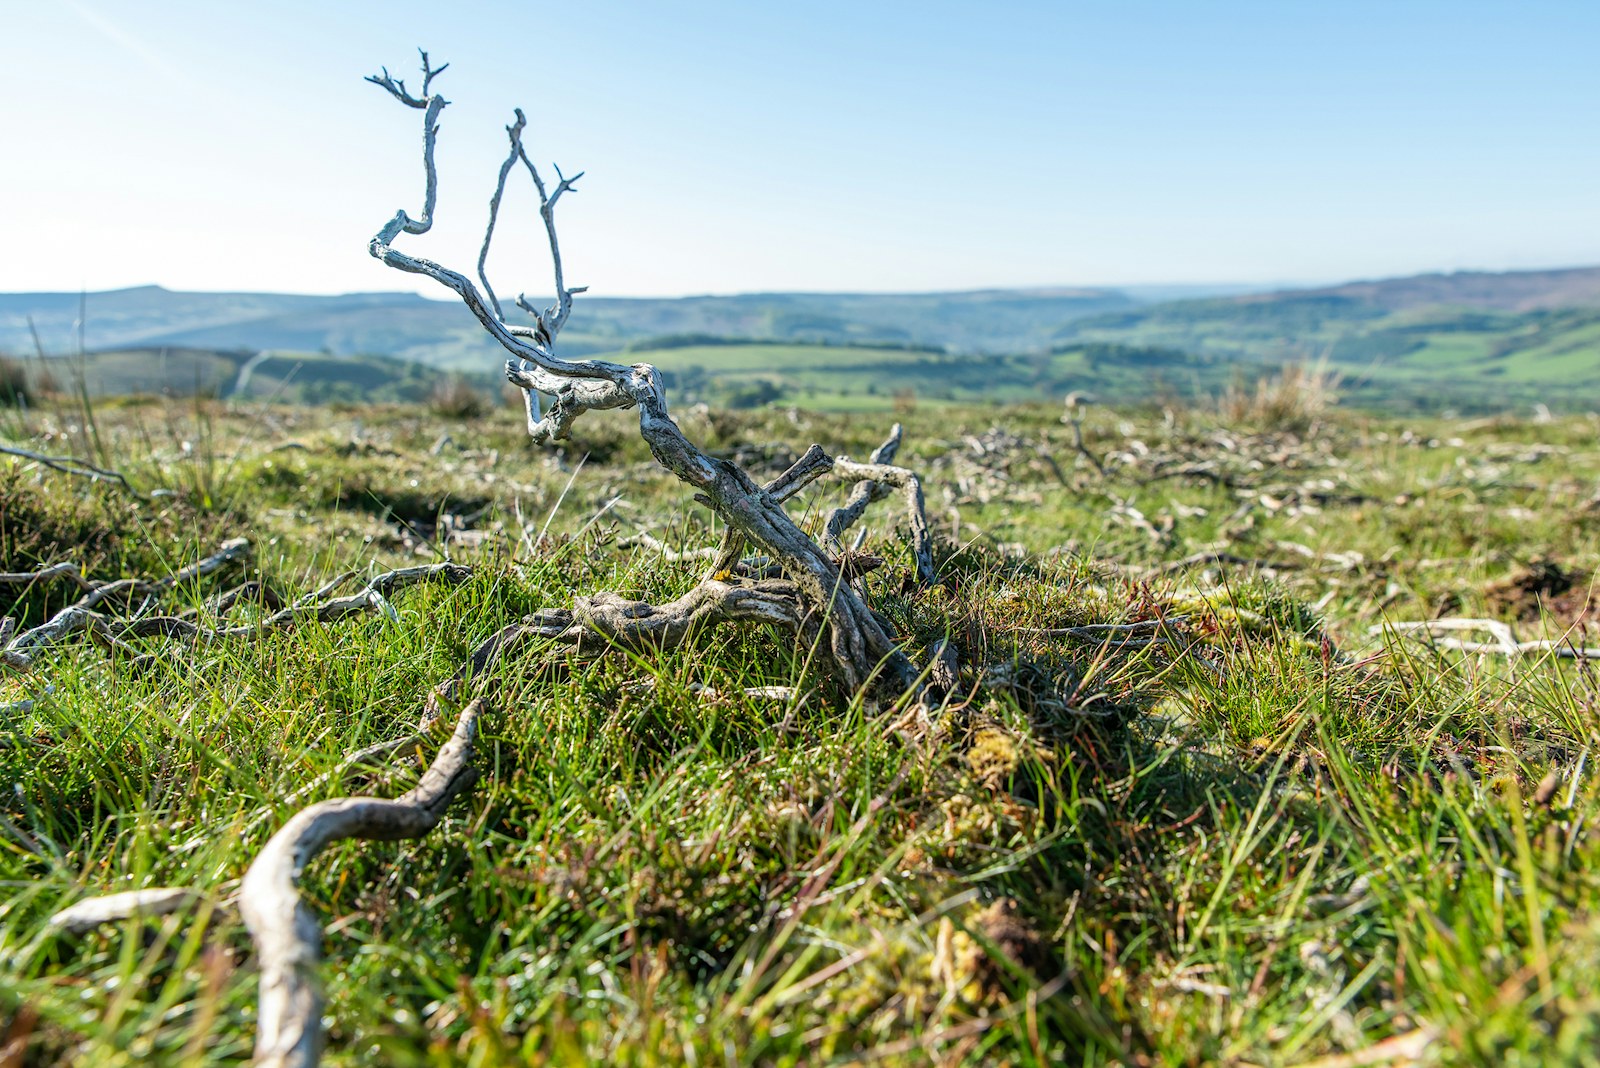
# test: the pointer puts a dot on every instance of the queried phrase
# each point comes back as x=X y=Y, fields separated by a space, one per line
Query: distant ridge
x=1214 y=321
x=443 y=333
x=1498 y=290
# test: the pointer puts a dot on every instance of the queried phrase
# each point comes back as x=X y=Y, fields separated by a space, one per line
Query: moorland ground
x=1252 y=830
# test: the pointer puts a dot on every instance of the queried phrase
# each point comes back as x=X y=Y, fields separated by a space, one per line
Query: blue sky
x=820 y=146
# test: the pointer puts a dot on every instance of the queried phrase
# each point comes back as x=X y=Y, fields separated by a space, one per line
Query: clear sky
x=821 y=145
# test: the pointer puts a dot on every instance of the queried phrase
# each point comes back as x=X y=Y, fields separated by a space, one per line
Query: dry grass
x=1293 y=400
x=457 y=398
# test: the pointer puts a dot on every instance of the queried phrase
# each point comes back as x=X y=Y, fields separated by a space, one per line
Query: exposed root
x=638 y=625
x=608 y=621
x=286 y=934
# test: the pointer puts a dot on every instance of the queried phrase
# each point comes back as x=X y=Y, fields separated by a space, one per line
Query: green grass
x=1276 y=838
x=1428 y=359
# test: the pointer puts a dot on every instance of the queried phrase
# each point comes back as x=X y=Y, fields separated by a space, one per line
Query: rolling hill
x=290 y=377
x=444 y=334
x=1470 y=341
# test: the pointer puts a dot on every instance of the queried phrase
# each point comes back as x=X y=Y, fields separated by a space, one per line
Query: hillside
x=442 y=333
x=1500 y=291
x=289 y=377
x=1469 y=341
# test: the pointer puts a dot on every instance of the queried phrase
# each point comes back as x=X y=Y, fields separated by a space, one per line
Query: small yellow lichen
x=993 y=757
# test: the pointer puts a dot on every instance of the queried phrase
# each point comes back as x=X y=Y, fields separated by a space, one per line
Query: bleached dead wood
x=864 y=493
x=66 y=569
x=1505 y=638
x=236 y=550
x=607 y=621
x=861 y=649
x=71 y=465
x=1073 y=417
x=21 y=651
x=93 y=912
x=666 y=551
x=286 y=934
x=876 y=474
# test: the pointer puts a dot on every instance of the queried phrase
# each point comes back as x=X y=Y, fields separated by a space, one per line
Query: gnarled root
x=286 y=934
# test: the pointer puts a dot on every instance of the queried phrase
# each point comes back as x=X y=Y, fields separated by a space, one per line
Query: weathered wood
x=287 y=936
x=861 y=649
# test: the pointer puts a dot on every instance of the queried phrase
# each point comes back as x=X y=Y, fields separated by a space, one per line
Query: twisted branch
x=865 y=493
x=859 y=645
x=286 y=934
x=878 y=476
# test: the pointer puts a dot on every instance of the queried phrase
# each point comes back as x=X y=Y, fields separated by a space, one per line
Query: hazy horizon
x=736 y=149
x=1148 y=290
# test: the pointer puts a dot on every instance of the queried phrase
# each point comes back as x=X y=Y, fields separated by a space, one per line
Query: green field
x=1432 y=358
x=1263 y=826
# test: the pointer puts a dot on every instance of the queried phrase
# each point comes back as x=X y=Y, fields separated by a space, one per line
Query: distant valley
x=1469 y=341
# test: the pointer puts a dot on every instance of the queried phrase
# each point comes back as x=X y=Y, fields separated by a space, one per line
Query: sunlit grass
x=1270 y=839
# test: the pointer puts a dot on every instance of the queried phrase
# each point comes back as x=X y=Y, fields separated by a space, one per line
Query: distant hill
x=282 y=376
x=1469 y=340
x=1504 y=291
x=151 y=315
x=444 y=334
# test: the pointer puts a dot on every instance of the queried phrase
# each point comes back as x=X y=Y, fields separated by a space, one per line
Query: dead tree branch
x=229 y=552
x=93 y=912
x=865 y=493
x=1073 y=417
x=21 y=651
x=861 y=648
x=876 y=474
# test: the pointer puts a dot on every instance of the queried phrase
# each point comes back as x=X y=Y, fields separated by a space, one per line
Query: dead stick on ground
x=21 y=651
x=71 y=465
x=286 y=934
x=1505 y=638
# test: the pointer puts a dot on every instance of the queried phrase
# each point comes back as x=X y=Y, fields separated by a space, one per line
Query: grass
x=1420 y=359
x=1274 y=840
